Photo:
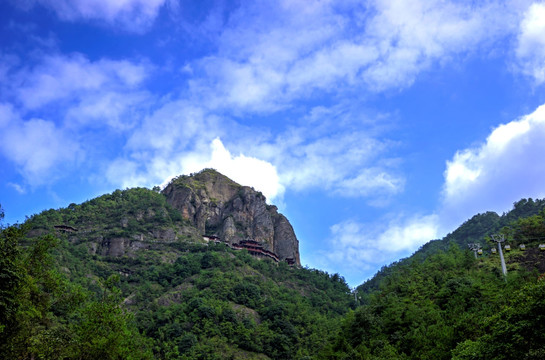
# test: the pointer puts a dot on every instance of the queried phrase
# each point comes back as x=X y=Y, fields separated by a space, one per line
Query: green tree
x=104 y=331
x=44 y=316
x=516 y=332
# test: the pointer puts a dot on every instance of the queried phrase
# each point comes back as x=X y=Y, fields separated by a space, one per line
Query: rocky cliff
x=218 y=206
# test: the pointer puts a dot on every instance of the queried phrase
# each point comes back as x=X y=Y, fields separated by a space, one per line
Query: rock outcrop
x=218 y=206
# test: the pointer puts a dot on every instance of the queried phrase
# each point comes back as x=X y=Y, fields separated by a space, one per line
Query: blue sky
x=375 y=126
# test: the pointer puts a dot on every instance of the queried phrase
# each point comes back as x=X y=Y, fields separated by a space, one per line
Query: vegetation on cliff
x=123 y=213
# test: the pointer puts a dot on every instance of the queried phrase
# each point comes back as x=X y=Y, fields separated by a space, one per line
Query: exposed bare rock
x=286 y=245
x=216 y=205
x=166 y=235
x=229 y=230
x=122 y=246
x=115 y=247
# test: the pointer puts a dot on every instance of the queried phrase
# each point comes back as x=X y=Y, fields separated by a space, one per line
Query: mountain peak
x=208 y=174
x=218 y=206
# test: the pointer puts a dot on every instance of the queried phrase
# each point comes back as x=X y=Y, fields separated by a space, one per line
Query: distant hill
x=477 y=230
x=444 y=302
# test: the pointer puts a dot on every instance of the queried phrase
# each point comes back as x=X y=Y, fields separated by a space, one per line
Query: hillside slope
x=206 y=203
x=130 y=273
x=445 y=303
x=477 y=230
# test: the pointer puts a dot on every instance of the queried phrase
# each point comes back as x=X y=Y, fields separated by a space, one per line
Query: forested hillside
x=125 y=276
x=67 y=292
x=445 y=303
x=477 y=230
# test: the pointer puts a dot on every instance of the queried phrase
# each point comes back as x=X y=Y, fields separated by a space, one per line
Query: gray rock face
x=287 y=246
x=216 y=205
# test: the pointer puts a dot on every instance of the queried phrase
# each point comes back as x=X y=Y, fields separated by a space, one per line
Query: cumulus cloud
x=505 y=168
x=133 y=15
x=531 y=42
x=338 y=149
x=264 y=65
x=246 y=170
x=346 y=164
x=61 y=78
x=508 y=166
x=356 y=247
x=58 y=109
x=38 y=147
x=328 y=150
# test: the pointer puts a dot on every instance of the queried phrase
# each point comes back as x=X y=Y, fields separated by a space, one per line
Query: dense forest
x=65 y=299
x=446 y=303
x=180 y=300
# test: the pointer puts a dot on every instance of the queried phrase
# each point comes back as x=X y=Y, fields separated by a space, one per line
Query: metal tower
x=474 y=248
x=499 y=238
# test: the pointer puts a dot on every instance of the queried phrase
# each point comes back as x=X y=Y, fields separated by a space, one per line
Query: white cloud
x=62 y=78
x=335 y=150
x=368 y=182
x=125 y=174
x=270 y=54
x=38 y=147
x=263 y=64
x=409 y=235
x=7 y=114
x=356 y=248
x=339 y=63
x=173 y=128
x=411 y=35
x=531 y=42
x=119 y=111
x=507 y=167
x=133 y=15
x=325 y=152
x=17 y=187
x=172 y=140
x=348 y=164
x=345 y=164
x=65 y=106
x=245 y=170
